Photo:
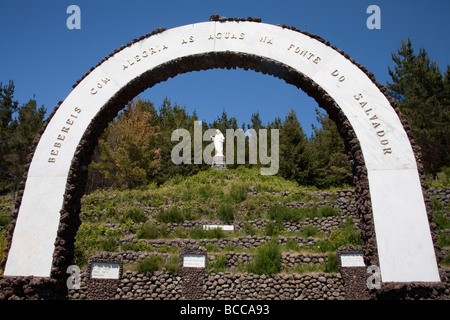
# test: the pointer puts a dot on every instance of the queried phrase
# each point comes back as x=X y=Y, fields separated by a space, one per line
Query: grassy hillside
x=111 y=218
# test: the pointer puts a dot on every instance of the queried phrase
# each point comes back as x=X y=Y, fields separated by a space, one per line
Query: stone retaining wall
x=346 y=208
x=324 y=224
x=441 y=194
x=161 y=285
x=289 y=259
x=137 y=286
x=247 y=242
x=103 y=289
x=226 y=285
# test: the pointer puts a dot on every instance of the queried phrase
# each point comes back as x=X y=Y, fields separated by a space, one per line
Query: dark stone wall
x=354 y=278
x=193 y=279
x=104 y=289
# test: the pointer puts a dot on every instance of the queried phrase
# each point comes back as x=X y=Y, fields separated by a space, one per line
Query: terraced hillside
x=282 y=244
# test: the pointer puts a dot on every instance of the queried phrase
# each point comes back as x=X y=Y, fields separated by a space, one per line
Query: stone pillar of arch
x=390 y=191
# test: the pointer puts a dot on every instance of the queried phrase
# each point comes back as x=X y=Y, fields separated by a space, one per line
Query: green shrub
x=441 y=220
x=172 y=264
x=163 y=231
x=173 y=215
x=229 y=247
x=220 y=263
x=444 y=238
x=188 y=194
x=267 y=259
x=165 y=248
x=273 y=228
x=129 y=246
x=205 y=192
x=109 y=245
x=150 y=264
x=238 y=192
x=442 y=223
x=331 y=264
x=5 y=220
x=249 y=229
x=308 y=268
x=148 y=231
x=199 y=233
x=137 y=246
x=309 y=231
x=446 y=260
x=6 y=206
x=180 y=232
x=291 y=244
x=193 y=215
x=91 y=238
x=216 y=233
x=327 y=211
x=437 y=206
x=442 y=179
x=350 y=233
x=134 y=214
x=211 y=248
x=347 y=234
x=280 y=213
x=225 y=212
x=3 y=243
x=253 y=209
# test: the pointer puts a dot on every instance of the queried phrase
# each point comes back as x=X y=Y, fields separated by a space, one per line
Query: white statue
x=218 y=142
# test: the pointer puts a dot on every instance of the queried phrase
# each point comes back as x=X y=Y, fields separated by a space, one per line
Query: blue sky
x=45 y=59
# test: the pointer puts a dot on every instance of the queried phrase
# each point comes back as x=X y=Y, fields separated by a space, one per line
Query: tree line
x=422 y=93
x=19 y=126
x=136 y=147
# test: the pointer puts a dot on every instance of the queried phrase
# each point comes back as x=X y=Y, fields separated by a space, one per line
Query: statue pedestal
x=218 y=162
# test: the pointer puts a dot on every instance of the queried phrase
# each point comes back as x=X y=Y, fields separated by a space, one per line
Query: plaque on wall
x=218 y=226
x=352 y=260
x=194 y=261
x=105 y=270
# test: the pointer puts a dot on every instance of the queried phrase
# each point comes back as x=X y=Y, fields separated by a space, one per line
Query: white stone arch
x=403 y=239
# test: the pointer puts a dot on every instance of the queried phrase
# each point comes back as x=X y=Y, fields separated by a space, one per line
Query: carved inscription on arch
x=65 y=129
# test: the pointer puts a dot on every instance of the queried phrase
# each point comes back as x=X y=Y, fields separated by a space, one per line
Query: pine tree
x=223 y=122
x=19 y=126
x=7 y=107
x=327 y=150
x=191 y=123
x=294 y=161
x=253 y=137
x=422 y=95
x=256 y=122
x=277 y=123
x=25 y=128
x=171 y=117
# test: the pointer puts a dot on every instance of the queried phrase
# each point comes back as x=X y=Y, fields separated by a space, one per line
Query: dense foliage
x=18 y=128
x=423 y=96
